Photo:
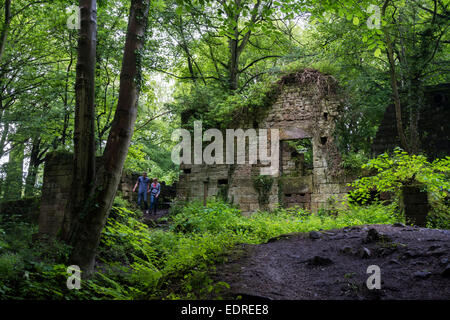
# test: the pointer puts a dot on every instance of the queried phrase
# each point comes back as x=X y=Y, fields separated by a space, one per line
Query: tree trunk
x=3 y=137
x=87 y=237
x=84 y=139
x=238 y=44
x=66 y=99
x=416 y=102
x=234 y=63
x=396 y=97
x=394 y=86
x=4 y=32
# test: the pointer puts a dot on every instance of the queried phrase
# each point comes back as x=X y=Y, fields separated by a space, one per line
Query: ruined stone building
x=434 y=135
x=304 y=106
x=304 y=109
x=434 y=125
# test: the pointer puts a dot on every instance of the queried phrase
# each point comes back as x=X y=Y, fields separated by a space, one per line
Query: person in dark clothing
x=154 y=190
x=143 y=183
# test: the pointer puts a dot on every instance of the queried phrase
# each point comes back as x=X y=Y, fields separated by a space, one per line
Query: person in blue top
x=143 y=183
x=154 y=190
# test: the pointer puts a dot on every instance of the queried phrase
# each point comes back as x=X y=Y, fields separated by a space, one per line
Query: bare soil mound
x=332 y=264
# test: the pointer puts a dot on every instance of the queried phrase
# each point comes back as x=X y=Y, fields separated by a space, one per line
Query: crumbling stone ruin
x=434 y=129
x=305 y=107
x=434 y=134
x=56 y=191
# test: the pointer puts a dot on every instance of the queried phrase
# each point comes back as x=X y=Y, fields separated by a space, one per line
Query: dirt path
x=152 y=220
x=332 y=264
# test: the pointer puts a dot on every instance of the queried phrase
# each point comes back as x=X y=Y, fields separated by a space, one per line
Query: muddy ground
x=154 y=216
x=332 y=264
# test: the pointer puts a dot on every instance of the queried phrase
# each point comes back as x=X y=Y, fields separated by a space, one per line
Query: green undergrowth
x=137 y=262
x=175 y=263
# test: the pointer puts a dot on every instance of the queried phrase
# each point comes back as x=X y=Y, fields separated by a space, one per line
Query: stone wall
x=414 y=203
x=26 y=208
x=434 y=130
x=299 y=112
x=55 y=192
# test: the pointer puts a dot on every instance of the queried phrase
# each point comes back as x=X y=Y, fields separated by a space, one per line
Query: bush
x=11 y=264
x=352 y=162
x=399 y=170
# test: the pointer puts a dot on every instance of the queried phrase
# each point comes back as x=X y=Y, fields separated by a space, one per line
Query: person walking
x=143 y=183
x=154 y=190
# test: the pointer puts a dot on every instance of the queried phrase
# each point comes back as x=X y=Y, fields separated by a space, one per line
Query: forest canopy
x=107 y=82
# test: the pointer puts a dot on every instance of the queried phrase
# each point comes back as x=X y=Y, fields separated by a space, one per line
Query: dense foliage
x=392 y=173
x=218 y=62
x=402 y=169
x=136 y=262
x=210 y=61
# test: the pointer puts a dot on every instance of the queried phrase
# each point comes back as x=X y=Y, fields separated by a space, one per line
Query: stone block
x=244 y=207
x=330 y=188
x=298 y=198
x=291 y=185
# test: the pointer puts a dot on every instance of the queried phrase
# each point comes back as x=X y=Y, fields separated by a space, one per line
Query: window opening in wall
x=302 y=155
x=222 y=182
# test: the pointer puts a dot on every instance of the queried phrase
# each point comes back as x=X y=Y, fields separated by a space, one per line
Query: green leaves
x=377 y=53
x=160 y=5
x=403 y=169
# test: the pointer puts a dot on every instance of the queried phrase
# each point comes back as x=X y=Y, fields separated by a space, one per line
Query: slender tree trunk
x=66 y=99
x=5 y=29
x=3 y=137
x=84 y=139
x=394 y=86
x=238 y=44
x=396 y=97
x=185 y=47
x=87 y=237
x=417 y=101
x=234 y=64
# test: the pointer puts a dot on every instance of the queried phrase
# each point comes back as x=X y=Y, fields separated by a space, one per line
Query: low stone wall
x=415 y=205
x=26 y=208
x=55 y=192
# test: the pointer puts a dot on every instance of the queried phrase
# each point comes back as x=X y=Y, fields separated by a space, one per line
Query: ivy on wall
x=263 y=185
